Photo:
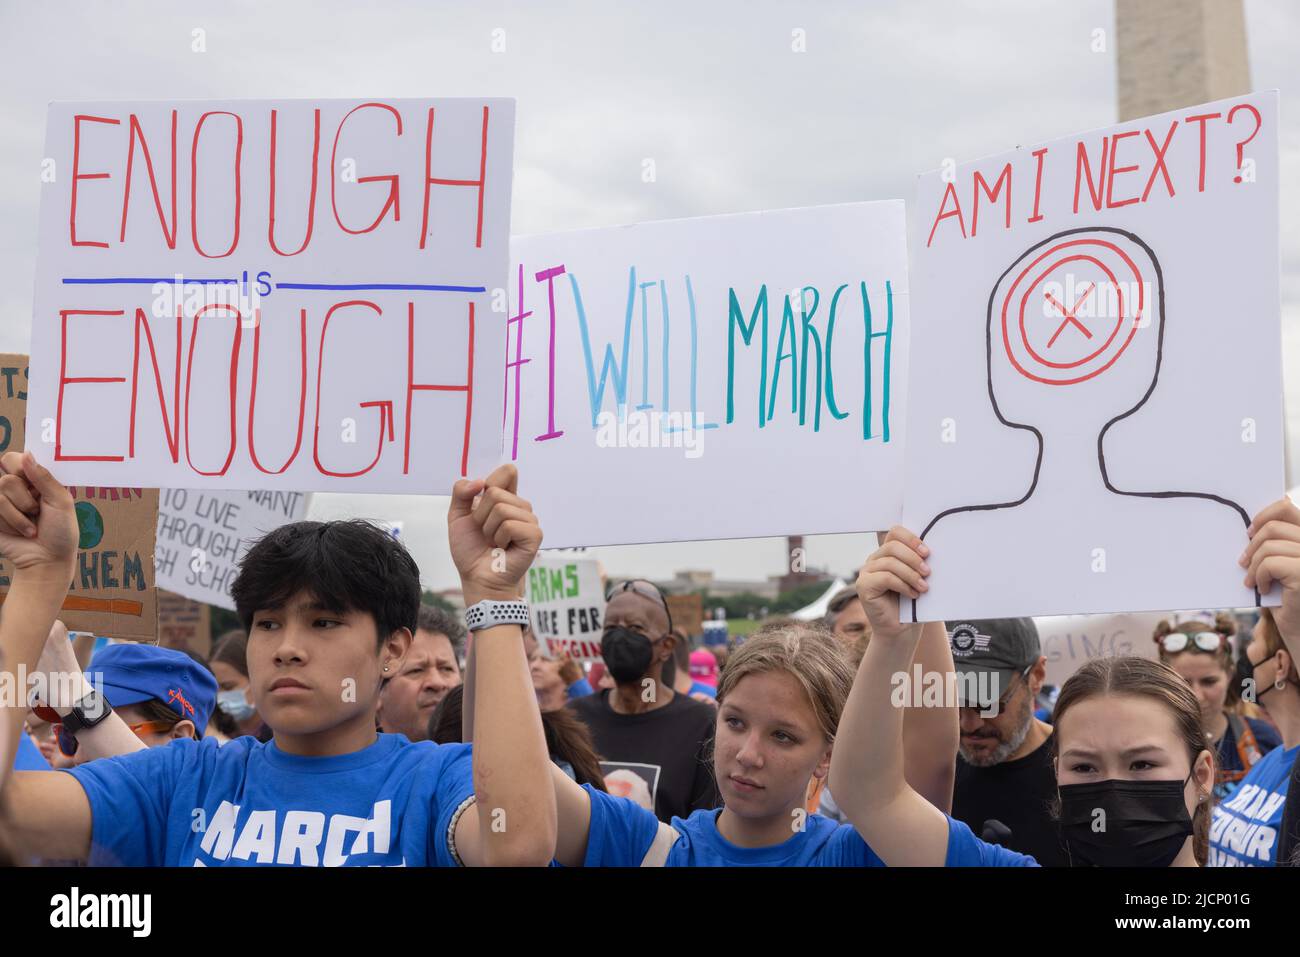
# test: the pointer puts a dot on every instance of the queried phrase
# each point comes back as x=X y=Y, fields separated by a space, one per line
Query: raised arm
x=494 y=537
x=867 y=778
x=1273 y=555
x=931 y=735
x=40 y=812
x=59 y=672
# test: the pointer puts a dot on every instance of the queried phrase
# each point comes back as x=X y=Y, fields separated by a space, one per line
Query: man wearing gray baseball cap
x=1005 y=780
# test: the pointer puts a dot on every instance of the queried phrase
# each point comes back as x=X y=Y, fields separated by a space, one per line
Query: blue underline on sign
x=377 y=285
x=142 y=281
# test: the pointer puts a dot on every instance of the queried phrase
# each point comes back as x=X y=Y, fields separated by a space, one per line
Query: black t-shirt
x=1019 y=794
x=659 y=758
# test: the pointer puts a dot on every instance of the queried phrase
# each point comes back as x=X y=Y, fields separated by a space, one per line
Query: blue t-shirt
x=242 y=803
x=1245 y=827
x=1266 y=737
x=580 y=688
x=28 y=757
x=621 y=833
x=699 y=687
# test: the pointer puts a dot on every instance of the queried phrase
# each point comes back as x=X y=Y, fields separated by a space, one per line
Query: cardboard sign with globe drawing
x=112 y=591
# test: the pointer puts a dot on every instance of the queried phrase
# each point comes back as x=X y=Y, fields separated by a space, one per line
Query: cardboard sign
x=1069 y=641
x=288 y=294
x=688 y=613
x=1096 y=392
x=567 y=606
x=183 y=624
x=202 y=535
x=112 y=590
x=702 y=369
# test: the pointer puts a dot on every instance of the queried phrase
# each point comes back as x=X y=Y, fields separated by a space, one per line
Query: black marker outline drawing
x=1101 y=436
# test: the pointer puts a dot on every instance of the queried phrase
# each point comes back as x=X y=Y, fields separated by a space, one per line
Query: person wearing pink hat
x=704 y=671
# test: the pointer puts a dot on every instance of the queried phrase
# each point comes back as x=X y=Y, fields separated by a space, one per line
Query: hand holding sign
x=1273 y=555
x=897 y=567
x=493 y=535
x=38 y=523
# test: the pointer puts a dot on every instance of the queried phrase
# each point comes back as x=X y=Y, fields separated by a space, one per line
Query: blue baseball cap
x=133 y=673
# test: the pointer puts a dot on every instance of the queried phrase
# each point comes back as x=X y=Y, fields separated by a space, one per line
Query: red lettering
x=194 y=186
x=137 y=133
x=430 y=180
x=77 y=176
x=1202 y=119
x=956 y=211
x=66 y=380
x=1083 y=168
x=1116 y=170
x=173 y=434
x=385 y=408
x=234 y=382
x=1038 y=183
x=980 y=183
x=311 y=200
x=1160 y=167
x=302 y=396
x=412 y=387
x=393 y=203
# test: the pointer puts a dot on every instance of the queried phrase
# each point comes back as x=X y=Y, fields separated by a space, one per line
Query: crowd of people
x=347 y=724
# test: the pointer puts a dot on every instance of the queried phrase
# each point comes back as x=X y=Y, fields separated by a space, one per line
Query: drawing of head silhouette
x=1074 y=333
x=1074 y=340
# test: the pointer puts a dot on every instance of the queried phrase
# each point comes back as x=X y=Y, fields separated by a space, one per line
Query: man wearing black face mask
x=654 y=743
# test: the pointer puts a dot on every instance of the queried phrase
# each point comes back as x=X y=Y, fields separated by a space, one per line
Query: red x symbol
x=1069 y=314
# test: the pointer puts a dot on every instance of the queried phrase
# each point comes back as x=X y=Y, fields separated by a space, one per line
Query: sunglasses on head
x=1207 y=641
x=68 y=741
x=646 y=589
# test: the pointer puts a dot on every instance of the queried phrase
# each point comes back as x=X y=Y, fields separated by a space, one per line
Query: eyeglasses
x=68 y=741
x=1207 y=641
x=646 y=589
x=997 y=707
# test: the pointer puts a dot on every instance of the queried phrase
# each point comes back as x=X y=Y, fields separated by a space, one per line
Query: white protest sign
x=724 y=377
x=1070 y=641
x=281 y=294
x=202 y=534
x=1095 y=408
x=566 y=604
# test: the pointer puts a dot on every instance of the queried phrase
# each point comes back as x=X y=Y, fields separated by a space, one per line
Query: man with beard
x=641 y=725
x=1004 y=767
x=430 y=669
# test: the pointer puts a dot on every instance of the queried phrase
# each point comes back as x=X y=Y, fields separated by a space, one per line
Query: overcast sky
x=712 y=91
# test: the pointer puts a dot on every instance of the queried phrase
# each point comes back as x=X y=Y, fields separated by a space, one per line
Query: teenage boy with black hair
x=330 y=608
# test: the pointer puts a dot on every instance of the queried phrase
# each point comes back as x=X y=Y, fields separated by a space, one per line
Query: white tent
x=818 y=608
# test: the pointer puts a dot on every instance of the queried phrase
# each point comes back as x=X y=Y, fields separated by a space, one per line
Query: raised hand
x=493 y=535
x=38 y=521
x=897 y=567
x=1273 y=555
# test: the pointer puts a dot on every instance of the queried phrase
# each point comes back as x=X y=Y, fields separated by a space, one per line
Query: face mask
x=627 y=654
x=235 y=704
x=1124 y=823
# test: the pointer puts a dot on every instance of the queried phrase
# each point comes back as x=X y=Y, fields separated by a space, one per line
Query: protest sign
x=1081 y=309
x=1069 y=641
x=202 y=535
x=707 y=370
x=688 y=613
x=567 y=605
x=184 y=624
x=112 y=591
x=278 y=294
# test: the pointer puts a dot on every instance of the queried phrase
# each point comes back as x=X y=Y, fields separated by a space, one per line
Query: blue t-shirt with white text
x=621 y=833
x=197 y=803
x=1244 y=830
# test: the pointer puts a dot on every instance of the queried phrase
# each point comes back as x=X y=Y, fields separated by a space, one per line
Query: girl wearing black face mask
x=1247 y=825
x=1133 y=772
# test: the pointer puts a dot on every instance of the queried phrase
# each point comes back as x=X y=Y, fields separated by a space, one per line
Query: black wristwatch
x=88 y=712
